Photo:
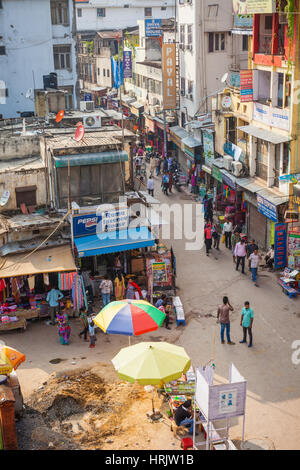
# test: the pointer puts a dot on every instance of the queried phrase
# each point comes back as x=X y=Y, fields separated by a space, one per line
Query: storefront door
x=257 y=226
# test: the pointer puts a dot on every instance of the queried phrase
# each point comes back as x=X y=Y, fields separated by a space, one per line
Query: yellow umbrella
x=10 y=359
x=151 y=363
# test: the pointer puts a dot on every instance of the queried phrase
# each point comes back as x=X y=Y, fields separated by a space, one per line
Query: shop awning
x=263 y=134
x=49 y=260
x=191 y=142
x=90 y=159
x=114 y=242
x=254 y=187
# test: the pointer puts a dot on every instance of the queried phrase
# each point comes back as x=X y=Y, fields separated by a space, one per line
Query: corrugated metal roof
x=263 y=134
x=272 y=195
x=90 y=159
x=179 y=131
x=191 y=142
x=89 y=140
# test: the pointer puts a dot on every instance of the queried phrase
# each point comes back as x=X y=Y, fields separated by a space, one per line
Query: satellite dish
x=4 y=198
x=79 y=124
x=224 y=78
x=79 y=134
x=28 y=93
x=60 y=115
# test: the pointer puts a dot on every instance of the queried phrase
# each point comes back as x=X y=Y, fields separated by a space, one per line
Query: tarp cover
x=57 y=259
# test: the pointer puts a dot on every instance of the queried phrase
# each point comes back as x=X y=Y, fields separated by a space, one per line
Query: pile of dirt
x=87 y=409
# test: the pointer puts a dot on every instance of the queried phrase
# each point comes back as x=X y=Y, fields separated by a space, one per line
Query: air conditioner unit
x=87 y=106
x=237 y=168
x=182 y=92
x=228 y=162
x=92 y=122
x=190 y=96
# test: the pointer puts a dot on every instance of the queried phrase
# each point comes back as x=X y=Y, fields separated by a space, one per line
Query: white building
x=208 y=49
x=99 y=15
x=37 y=38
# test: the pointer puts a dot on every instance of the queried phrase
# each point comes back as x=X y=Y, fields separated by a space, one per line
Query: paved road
x=273 y=400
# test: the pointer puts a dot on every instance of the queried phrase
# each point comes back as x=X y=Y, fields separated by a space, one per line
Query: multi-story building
x=37 y=38
x=208 y=49
x=257 y=124
x=99 y=15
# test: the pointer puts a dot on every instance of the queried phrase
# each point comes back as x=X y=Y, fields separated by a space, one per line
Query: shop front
x=25 y=280
x=177 y=134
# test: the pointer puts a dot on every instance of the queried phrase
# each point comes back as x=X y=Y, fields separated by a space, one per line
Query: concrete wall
x=19 y=147
x=118 y=17
x=11 y=180
x=28 y=36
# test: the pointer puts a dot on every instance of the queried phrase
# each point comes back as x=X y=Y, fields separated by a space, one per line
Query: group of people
x=247 y=317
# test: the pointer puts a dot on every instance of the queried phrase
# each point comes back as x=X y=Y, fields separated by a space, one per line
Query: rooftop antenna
x=224 y=78
x=79 y=134
x=4 y=198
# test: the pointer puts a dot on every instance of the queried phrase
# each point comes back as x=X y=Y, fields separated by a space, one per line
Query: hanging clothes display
x=66 y=280
x=31 y=282
x=46 y=279
x=78 y=293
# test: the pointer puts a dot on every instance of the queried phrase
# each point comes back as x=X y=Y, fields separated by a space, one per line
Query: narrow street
x=273 y=400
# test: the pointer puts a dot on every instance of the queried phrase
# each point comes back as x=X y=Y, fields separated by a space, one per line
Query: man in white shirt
x=227 y=229
x=253 y=264
x=150 y=185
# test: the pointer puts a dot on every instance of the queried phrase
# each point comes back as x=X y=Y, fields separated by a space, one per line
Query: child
x=92 y=334
x=85 y=324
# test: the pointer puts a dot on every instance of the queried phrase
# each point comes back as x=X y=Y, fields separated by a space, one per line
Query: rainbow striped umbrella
x=129 y=318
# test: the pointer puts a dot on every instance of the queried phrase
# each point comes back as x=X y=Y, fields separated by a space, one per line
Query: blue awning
x=90 y=159
x=113 y=242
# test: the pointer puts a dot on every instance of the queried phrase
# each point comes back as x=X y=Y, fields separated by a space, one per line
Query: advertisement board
x=127 y=64
x=280 y=242
x=153 y=28
x=246 y=84
x=266 y=208
x=169 y=75
x=274 y=117
x=208 y=147
x=249 y=7
x=106 y=221
x=294 y=250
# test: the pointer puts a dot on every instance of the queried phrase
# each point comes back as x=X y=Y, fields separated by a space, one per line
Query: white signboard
x=275 y=117
x=227 y=402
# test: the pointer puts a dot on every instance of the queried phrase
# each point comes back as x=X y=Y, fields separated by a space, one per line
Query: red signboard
x=246 y=77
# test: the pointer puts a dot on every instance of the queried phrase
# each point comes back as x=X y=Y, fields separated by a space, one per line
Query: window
x=108 y=73
x=268 y=22
x=213 y=11
x=280 y=90
x=101 y=12
x=126 y=6
x=59 y=12
x=1 y=6
x=79 y=12
x=163 y=8
x=190 y=34
x=2 y=50
x=26 y=195
x=216 y=42
x=190 y=87
x=182 y=86
x=245 y=42
x=182 y=34
x=104 y=72
x=62 y=57
x=98 y=71
x=148 y=11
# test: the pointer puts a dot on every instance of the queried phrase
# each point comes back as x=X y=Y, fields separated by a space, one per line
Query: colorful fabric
x=66 y=280
x=78 y=293
x=119 y=288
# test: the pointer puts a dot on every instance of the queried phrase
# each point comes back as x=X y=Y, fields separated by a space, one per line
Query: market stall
x=25 y=281
x=161 y=270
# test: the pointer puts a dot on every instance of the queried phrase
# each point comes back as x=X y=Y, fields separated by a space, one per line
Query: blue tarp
x=113 y=242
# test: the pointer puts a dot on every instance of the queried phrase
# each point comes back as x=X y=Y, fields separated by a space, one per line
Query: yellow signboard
x=169 y=75
x=250 y=7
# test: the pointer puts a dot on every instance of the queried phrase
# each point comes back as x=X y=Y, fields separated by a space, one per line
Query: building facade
x=37 y=38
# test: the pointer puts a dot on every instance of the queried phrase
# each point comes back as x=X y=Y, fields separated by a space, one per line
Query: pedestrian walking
x=170 y=181
x=227 y=229
x=209 y=211
x=235 y=238
x=53 y=298
x=157 y=165
x=165 y=183
x=92 y=334
x=150 y=185
x=224 y=320
x=208 y=237
x=85 y=323
x=88 y=285
x=240 y=254
x=205 y=204
x=253 y=264
x=216 y=234
x=152 y=165
x=247 y=323
x=165 y=165
x=106 y=288
x=64 y=329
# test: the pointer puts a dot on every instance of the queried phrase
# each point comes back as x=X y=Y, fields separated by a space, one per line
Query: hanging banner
x=208 y=147
x=250 y=7
x=169 y=75
x=280 y=242
x=127 y=64
x=246 y=84
x=266 y=208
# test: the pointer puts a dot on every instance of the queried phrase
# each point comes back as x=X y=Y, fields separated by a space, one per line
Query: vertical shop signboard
x=208 y=147
x=127 y=64
x=169 y=75
x=246 y=83
x=280 y=239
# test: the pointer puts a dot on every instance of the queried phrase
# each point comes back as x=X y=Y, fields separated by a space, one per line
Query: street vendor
x=183 y=416
x=53 y=298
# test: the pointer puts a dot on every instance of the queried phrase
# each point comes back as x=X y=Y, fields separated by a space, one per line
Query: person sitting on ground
x=269 y=258
x=183 y=416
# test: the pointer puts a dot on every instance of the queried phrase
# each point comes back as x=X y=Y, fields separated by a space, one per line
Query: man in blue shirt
x=53 y=298
x=160 y=301
x=247 y=322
